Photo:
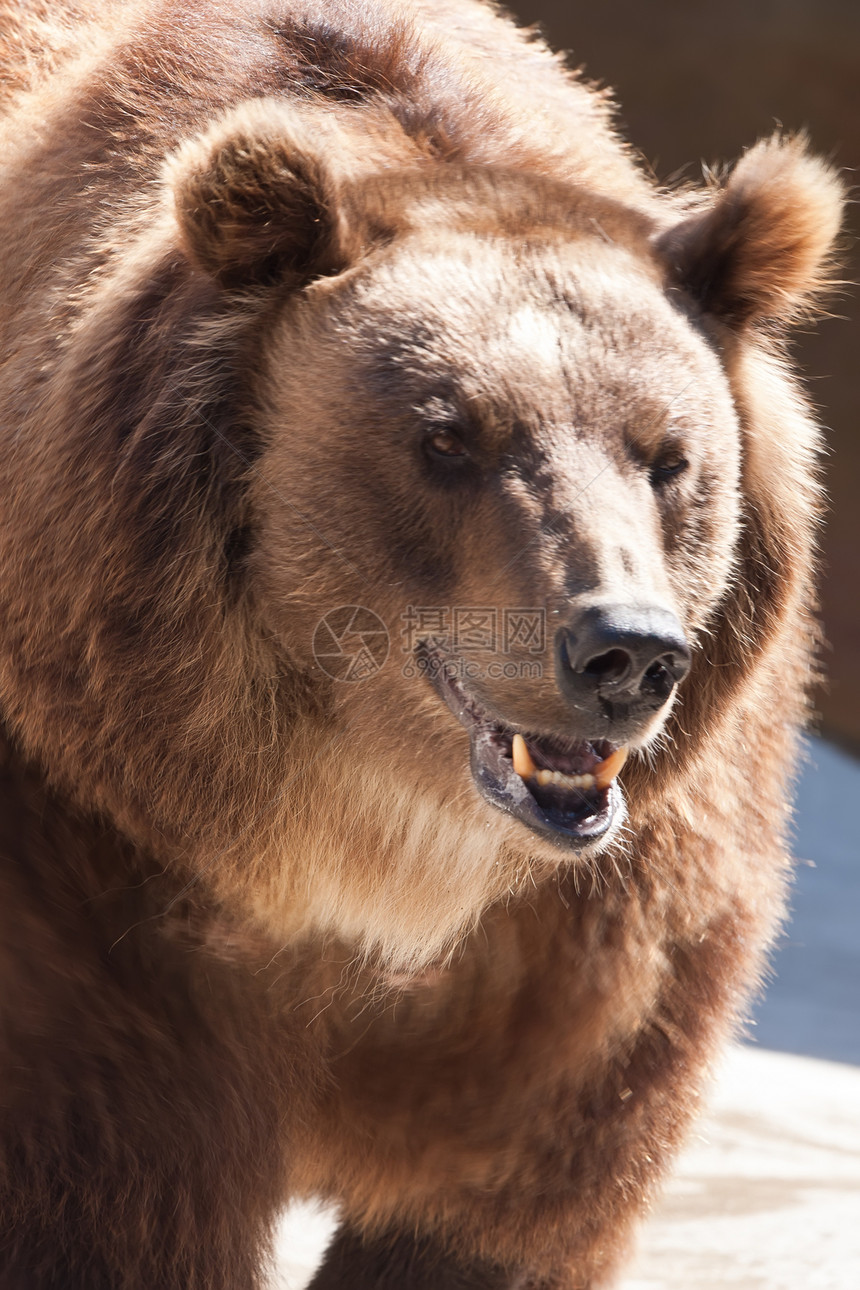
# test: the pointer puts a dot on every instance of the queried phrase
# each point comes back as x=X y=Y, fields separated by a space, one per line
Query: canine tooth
x=523 y=764
x=606 y=770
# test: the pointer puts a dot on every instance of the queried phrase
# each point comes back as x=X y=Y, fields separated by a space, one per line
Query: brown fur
x=261 y=936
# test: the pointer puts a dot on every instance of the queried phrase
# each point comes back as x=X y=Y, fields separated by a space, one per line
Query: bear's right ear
x=256 y=199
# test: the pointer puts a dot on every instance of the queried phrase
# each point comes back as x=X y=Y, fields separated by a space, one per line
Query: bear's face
x=516 y=480
x=499 y=449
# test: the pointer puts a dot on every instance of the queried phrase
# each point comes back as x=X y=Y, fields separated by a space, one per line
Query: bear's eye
x=668 y=466
x=446 y=445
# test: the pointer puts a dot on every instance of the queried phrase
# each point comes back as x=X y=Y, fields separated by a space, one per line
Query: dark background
x=699 y=82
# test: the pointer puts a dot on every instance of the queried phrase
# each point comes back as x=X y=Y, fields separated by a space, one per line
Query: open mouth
x=564 y=789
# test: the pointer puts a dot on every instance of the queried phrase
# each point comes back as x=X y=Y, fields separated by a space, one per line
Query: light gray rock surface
x=767 y=1195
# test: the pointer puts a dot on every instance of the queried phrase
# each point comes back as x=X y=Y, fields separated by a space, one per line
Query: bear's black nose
x=622 y=654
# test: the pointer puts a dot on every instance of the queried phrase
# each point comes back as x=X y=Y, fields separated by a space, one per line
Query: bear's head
x=518 y=488
x=510 y=497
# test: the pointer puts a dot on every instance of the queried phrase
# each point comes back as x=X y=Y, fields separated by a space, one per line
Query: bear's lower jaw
x=570 y=817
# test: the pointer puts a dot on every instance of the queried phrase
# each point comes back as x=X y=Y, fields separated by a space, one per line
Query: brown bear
x=405 y=611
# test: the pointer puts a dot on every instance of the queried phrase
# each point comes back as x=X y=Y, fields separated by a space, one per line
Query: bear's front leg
x=140 y=1179
x=143 y=1084
x=404 y=1262
x=529 y=1125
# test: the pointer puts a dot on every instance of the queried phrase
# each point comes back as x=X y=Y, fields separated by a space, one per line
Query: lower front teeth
x=545 y=777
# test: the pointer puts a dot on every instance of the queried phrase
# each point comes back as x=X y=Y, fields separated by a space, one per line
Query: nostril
x=664 y=674
x=673 y=666
x=659 y=679
x=657 y=671
x=614 y=665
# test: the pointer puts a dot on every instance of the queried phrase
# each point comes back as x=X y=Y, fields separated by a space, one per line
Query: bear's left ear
x=762 y=250
x=257 y=196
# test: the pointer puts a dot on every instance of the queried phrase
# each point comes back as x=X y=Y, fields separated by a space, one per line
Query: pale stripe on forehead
x=518 y=348
x=532 y=336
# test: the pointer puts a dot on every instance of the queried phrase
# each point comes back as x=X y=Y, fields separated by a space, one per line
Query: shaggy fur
x=261 y=935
